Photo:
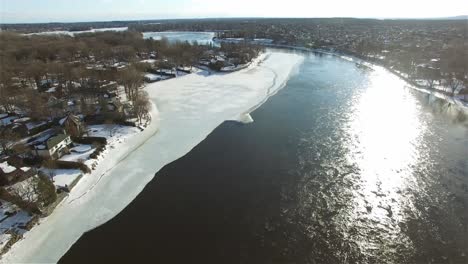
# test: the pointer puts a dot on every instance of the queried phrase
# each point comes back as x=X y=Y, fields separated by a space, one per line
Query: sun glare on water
x=385 y=130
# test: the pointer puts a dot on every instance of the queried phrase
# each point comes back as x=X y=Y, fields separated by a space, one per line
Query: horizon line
x=457 y=17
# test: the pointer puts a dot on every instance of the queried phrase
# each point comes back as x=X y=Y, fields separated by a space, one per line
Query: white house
x=55 y=147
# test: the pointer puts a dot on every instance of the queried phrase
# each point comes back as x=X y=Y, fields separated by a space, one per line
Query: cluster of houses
x=21 y=171
x=48 y=140
x=13 y=171
x=220 y=61
x=211 y=60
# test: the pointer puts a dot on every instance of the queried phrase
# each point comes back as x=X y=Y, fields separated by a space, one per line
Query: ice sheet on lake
x=189 y=109
x=73 y=33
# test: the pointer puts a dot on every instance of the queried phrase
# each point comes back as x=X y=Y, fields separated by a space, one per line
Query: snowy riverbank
x=454 y=100
x=188 y=109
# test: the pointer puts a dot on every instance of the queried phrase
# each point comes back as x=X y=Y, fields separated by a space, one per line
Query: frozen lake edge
x=188 y=109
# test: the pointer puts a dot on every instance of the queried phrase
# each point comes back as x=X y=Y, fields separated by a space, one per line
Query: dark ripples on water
x=342 y=166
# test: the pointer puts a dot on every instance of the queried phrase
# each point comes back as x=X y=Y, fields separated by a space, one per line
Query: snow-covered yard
x=12 y=218
x=62 y=177
x=79 y=153
x=65 y=177
x=115 y=135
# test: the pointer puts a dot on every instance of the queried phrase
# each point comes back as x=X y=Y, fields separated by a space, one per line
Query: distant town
x=66 y=101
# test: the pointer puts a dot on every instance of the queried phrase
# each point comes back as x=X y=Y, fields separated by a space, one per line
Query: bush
x=90 y=140
x=47 y=194
x=127 y=123
x=61 y=164
x=217 y=66
x=98 y=151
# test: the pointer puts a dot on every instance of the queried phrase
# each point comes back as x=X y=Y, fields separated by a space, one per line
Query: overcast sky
x=33 y=11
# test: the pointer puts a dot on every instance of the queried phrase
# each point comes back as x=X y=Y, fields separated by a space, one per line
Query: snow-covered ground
x=4 y=238
x=11 y=221
x=79 y=153
x=188 y=109
x=115 y=134
x=62 y=177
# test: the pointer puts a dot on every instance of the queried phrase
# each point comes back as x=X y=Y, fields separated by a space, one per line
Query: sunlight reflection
x=384 y=152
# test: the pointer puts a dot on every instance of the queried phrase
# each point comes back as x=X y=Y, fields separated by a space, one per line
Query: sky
x=36 y=11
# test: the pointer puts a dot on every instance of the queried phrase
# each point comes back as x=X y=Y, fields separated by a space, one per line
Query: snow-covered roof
x=21 y=120
x=25 y=169
x=8 y=120
x=151 y=61
x=63 y=120
x=152 y=77
x=40 y=147
x=55 y=140
x=6 y=168
x=32 y=125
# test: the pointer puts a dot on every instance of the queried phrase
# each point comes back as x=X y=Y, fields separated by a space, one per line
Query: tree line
x=80 y=66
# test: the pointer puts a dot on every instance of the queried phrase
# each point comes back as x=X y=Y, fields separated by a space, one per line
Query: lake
x=205 y=38
x=343 y=165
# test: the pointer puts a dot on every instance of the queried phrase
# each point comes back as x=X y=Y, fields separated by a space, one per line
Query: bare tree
x=110 y=126
x=131 y=79
x=7 y=139
x=454 y=84
x=142 y=106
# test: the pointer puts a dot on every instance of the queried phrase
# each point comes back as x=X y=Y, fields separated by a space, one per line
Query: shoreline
x=460 y=104
x=188 y=109
x=105 y=164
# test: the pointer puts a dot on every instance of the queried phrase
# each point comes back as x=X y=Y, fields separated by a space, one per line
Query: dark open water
x=343 y=165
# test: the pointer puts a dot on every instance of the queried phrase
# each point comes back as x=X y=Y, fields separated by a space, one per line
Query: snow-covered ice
x=72 y=33
x=188 y=109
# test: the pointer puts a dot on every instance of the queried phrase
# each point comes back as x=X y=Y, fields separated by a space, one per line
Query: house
x=7 y=119
x=10 y=175
x=54 y=147
x=152 y=78
x=73 y=125
x=25 y=127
